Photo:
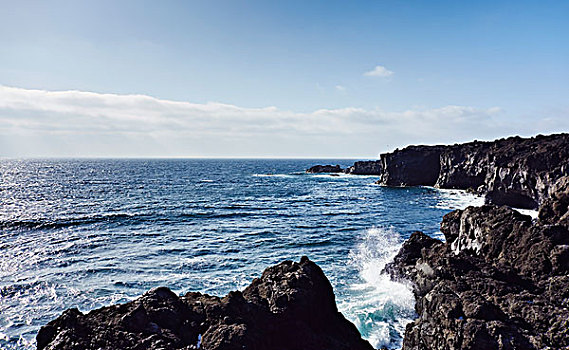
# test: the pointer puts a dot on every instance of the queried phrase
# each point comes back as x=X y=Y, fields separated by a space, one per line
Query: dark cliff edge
x=514 y=171
x=291 y=306
x=500 y=281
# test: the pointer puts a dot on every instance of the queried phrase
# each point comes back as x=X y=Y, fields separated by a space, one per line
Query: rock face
x=370 y=167
x=411 y=166
x=515 y=171
x=500 y=281
x=292 y=306
x=324 y=169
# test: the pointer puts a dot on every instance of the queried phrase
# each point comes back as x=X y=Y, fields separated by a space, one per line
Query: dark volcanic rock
x=555 y=210
x=290 y=307
x=368 y=167
x=411 y=166
x=515 y=171
x=324 y=169
x=499 y=282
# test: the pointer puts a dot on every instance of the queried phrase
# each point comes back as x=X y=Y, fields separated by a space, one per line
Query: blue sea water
x=89 y=233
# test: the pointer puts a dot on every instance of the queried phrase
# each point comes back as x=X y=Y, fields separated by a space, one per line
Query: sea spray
x=378 y=306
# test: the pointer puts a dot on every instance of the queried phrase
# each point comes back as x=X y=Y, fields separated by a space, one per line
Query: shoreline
x=472 y=243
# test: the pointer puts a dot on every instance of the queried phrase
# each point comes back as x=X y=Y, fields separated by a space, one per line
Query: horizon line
x=184 y=157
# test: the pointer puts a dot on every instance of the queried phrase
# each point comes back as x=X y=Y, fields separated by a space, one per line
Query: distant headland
x=513 y=171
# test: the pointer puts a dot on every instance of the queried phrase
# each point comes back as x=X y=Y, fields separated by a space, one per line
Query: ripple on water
x=89 y=233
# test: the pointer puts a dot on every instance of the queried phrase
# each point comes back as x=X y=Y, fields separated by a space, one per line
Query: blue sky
x=268 y=78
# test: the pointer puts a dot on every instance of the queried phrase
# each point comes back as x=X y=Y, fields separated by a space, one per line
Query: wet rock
x=500 y=281
x=324 y=169
x=291 y=306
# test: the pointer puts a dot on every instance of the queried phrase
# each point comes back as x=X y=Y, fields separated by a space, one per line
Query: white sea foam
x=378 y=306
x=272 y=175
x=343 y=175
x=458 y=199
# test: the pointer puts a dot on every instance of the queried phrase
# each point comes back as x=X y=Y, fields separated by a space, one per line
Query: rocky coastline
x=500 y=281
x=514 y=171
x=291 y=306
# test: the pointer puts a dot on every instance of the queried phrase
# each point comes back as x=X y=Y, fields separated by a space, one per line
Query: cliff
x=291 y=306
x=499 y=281
x=514 y=171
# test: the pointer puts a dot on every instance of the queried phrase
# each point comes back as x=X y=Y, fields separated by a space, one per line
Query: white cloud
x=87 y=123
x=379 y=71
x=340 y=88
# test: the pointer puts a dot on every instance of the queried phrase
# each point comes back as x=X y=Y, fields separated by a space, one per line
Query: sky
x=298 y=79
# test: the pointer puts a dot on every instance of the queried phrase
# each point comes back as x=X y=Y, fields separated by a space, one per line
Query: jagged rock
x=516 y=171
x=555 y=210
x=324 y=169
x=500 y=281
x=292 y=306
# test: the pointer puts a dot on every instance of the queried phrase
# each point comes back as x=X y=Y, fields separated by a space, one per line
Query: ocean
x=88 y=233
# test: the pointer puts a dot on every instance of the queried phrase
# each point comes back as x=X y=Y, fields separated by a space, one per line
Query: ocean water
x=89 y=233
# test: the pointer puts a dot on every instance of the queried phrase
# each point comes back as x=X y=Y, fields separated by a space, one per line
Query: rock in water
x=500 y=281
x=292 y=306
x=515 y=171
x=324 y=169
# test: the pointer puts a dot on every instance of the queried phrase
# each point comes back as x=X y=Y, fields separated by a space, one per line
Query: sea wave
x=378 y=306
x=63 y=222
x=273 y=175
x=457 y=199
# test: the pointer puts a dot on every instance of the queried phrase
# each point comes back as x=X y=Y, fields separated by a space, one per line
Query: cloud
x=87 y=123
x=379 y=71
x=340 y=88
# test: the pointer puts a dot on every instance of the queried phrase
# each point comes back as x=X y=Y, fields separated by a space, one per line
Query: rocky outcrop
x=500 y=281
x=292 y=306
x=324 y=169
x=370 y=167
x=515 y=171
x=411 y=166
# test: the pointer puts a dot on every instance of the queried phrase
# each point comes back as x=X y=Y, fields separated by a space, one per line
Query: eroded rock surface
x=500 y=281
x=515 y=171
x=292 y=306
